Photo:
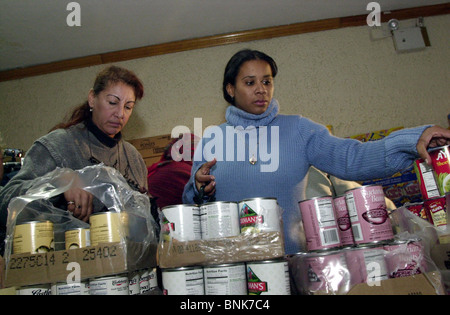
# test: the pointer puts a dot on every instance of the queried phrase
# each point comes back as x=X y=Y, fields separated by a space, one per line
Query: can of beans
x=33 y=237
x=368 y=214
x=183 y=281
x=259 y=215
x=269 y=277
x=405 y=258
x=181 y=222
x=77 y=238
x=110 y=285
x=319 y=222
x=225 y=279
x=108 y=227
x=219 y=219
x=343 y=222
x=440 y=160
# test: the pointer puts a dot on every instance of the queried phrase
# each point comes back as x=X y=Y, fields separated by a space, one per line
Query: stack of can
x=350 y=240
x=217 y=220
x=105 y=227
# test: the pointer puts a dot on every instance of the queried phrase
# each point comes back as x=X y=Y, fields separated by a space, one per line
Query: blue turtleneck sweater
x=283 y=147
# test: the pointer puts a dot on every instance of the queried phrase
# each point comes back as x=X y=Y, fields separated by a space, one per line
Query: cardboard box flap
x=240 y=248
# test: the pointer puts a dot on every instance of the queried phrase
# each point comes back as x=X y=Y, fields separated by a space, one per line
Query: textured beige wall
x=339 y=77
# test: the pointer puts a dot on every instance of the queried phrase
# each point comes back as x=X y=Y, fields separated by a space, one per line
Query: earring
x=91 y=109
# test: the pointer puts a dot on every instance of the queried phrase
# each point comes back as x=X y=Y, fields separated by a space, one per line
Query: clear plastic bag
x=110 y=189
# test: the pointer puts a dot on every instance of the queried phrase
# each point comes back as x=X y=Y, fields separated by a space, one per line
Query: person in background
x=91 y=135
x=295 y=143
x=168 y=176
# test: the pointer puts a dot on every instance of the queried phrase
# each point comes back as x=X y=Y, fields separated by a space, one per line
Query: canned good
x=111 y=285
x=436 y=210
x=425 y=178
x=33 y=237
x=270 y=277
x=219 y=219
x=38 y=289
x=148 y=280
x=259 y=215
x=77 y=238
x=343 y=221
x=133 y=283
x=226 y=279
x=440 y=160
x=181 y=222
x=368 y=214
x=319 y=222
x=80 y=288
x=405 y=258
x=108 y=227
x=323 y=273
x=183 y=281
x=366 y=264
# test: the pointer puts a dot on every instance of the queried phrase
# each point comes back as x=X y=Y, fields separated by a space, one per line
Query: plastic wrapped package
x=403 y=265
x=251 y=231
x=137 y=230
x=371 y=269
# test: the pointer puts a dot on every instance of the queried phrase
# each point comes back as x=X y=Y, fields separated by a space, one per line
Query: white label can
x=319 y=222
x=219 y=219
x=181 y=222
x=113 y=285
x=38 y=289
x=183 y=281
x=78 y=288
x=259 y=215
x=226 y=279
x=269 y=277
x=133 y=283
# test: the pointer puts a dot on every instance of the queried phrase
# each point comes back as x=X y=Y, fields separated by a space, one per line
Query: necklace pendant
x=252 y=160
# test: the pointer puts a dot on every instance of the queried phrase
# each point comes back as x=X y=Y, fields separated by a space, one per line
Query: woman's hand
x=79 y=202
x=203 y=177
x=432 y=137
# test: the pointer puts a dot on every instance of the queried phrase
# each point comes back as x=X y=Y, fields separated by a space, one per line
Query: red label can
x=440 y=159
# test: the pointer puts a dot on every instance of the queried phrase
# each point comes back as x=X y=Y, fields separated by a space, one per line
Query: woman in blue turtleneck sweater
x=261 y=153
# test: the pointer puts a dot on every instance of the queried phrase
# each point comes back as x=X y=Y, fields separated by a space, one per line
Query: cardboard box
x=241 y=248
x=151 y=148
x=422 y=284
x=94 y=261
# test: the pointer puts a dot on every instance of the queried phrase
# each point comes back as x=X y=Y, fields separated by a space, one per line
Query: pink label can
x=343 y=221
x=405 y=258
x=322 y=273
x=368 y=214
x=366 y=264
x=319 y=222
